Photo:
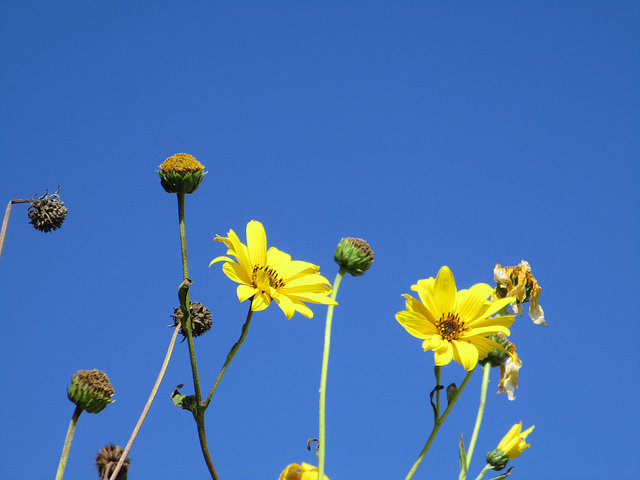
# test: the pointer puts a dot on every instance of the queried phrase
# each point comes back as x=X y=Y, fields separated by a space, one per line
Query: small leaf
x=187 y=402
x=463 y=458
x=451 y=391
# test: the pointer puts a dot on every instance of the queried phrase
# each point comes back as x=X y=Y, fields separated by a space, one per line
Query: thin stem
x=230 y=355
x=486 y=370
x=484 y=470
x=67 y=442
x=198 y=413
x=146 y=408
x=438 y=424
x=323 y=377
x=5 y=222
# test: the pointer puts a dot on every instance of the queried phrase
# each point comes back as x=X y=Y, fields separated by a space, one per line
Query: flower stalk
x=438 y=423
x=199 y=409
x=323 y=377
x=67 y=442
x=486 y=370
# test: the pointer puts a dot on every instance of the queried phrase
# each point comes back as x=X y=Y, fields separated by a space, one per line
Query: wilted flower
x=200 y=319
x=47 y=212
x=90 y=390
x=181 y=173
x=266 y=275
x=519 y=283
x=108 y=458
x=354 y=255
x=300 y=472
x=454 y=324
x=509 y=371
x=510 y=447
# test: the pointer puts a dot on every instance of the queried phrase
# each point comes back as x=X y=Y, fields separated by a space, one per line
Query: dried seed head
x=47 y=212
x=108 y=458
x=200 y=319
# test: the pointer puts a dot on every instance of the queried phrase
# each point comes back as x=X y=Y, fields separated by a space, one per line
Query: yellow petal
x=444 y=292
x=256 y=243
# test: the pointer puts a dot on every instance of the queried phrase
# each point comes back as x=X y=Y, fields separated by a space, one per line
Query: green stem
x=198 y=413
x=438 y=424
x=486 y=370
x=323 y=376
x=484 y=470
x=230 y=355
x=67 y=442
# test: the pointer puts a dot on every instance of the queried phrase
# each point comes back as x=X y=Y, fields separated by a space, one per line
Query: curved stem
x=438 y=424
x=67 y=442
x=5 y=222
x=486 y=370
x=323 y=376
x=146 y=408
x=230 y=355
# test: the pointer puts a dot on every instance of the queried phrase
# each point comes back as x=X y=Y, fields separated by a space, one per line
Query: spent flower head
x=300 y=472
x=108 y=458
x=200 y=319
x=510 y=447
x=454 y=324
x=266 y=275
x=90 y=390
x=47 y=212
x=354 y=255
x=181 y=173
x=521 y=286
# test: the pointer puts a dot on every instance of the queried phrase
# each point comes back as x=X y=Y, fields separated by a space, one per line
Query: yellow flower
x=266 y=275
x=513 y=443
x=300 y=472
x=519 y=283
x=454 y=324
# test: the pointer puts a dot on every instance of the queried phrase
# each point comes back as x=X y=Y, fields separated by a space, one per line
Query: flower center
x=450 y=326
x=262 y=272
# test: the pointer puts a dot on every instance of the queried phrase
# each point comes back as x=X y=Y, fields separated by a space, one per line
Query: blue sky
x=445 y=133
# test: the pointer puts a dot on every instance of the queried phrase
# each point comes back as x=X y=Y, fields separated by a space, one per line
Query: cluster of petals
x=264 y=275
x=513 y=443
x=300 y=472
x=454 y=324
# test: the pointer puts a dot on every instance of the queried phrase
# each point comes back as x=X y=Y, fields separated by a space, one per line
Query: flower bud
x=354 y=255
x=200 y=319
x=497 y=459
x=108 y=458
x=181 y=173
x=495 y=357
x=48 y=212
x=90 y=390
x=510 y=447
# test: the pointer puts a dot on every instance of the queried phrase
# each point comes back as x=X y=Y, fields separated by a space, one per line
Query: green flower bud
x=90 y=390
x=48 y=212
x=354 y=255
x=497 y=459
x=496 y=357
x=108 y=458
x=181 y=173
